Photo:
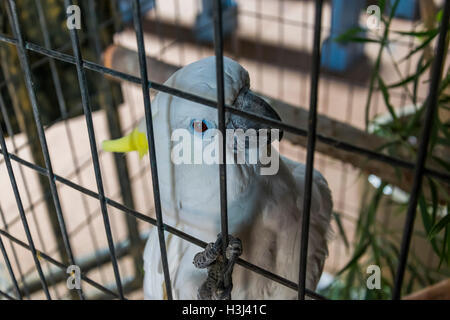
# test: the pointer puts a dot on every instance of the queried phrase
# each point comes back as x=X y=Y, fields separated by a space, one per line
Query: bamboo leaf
x=426 y=33
x=413 y=122
x=390 y=263
x=425 y=43
x=443 y=129
x=386 y=97
x=410 y=284
x=393 y=9
x=382 y=5
x=416 y=80
x=427 y=223
x=376 y=69
x=440 y=225
x=349 y=33
x=444 y=142
x=445 y=246
x=439 y=16
x=447 y=239
x=358 y=254
x=442 y=163
x=425 y=215
x=412 y=77
x=434 y=200
x=361 y=40
x=388 y=145
x=354 y=35
x=341 y=229
x=444 y=83
x=420 y=278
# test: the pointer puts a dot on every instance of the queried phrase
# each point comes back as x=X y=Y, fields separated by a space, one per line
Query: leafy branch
x=374 y=243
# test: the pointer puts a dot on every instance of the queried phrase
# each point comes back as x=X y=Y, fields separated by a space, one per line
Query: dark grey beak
x=248 y=101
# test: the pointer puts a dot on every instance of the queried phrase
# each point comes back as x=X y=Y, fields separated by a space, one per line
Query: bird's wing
x=272 y=241
x=320 y=216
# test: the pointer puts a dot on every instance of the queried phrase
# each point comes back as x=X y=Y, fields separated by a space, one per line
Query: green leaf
x=440 y=225
x=446 y=243
x=349 y=285
x=393 y=9
x=361 y=40
x=417 y=33
x=443 y=129
x=427 y=223
x=412 y=77
x=376 y=69
x=416 y=80
x=447 y=239
x=388 y=145
x=390 y=260
x=443 y=99
x=358 y=254
x=413 y=122
x=442 y=163
x=434 y=200
x=421 y=46
x=386 y=97
x=382 y=5
x=442 y=141
x=349 y=33
x=376 y=250
x=354 y=35
x=439 y=16
x=410 y=284
x=444 y=83
x=413 y=270
x=341 y=229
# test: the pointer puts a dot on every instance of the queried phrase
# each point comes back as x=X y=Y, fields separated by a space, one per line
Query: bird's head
x=192 y=184
x=171 y=113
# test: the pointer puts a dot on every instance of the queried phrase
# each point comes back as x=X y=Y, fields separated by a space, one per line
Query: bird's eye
x=199 y=126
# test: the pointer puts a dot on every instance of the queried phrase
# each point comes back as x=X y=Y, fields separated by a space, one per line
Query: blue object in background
x=345 y=15
x=126 y=8
x=407 y=9
x=204 y=23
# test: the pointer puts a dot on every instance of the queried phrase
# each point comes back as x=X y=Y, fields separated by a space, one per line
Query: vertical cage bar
x=218 y=48
x=312 y=124
x=431 y=103
x=10 y=132
x=22 y=214
x=10 y=270
x=107 y=102
x=33 y=99
x=16 y=259
x=63 y=110
x=94 y=152
x=151 y=144
x=23 y=110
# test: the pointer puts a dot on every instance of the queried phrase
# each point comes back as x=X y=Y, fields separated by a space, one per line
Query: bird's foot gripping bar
x=218 y=268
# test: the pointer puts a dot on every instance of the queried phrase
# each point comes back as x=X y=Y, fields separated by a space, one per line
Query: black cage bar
x=151 y=144
x=23 y=47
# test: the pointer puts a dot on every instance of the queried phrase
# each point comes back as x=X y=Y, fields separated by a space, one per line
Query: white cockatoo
x=264 y=211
